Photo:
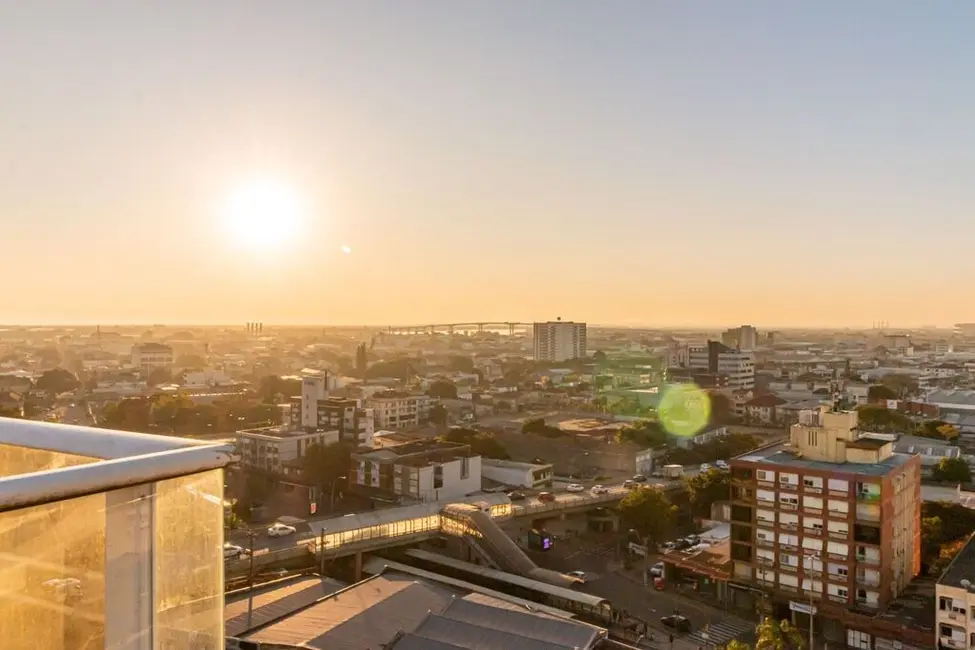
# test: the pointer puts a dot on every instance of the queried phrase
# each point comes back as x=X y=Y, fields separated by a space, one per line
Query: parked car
x=677 y=622
x=578 y=575
x=681 y=544
x=657 y=570
x=575 y=487
x=705 y=468
x=517 y=496
x=599 y=489
x=232 y=551
x=629 y=484
x=546 y=496
x=280 y=530
x=639 y=478
x=63 y=589
x=721 y=464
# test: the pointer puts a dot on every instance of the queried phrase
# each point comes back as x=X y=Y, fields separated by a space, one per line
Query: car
x=232 y=551
x=629 y=484
x=657 y=570
x=280 y=530
x=63 y=589
x=677 y=622
x=681 y=544
x=546 y=496
x=721 y=464
x=639 y=478
x=578 y=575
x=598 y=489
x=575 y=487
x=705 y=467
x=666 y=546
x=517 y=496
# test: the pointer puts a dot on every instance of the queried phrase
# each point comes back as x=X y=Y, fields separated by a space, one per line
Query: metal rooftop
x=961 y=568
x=777 y=455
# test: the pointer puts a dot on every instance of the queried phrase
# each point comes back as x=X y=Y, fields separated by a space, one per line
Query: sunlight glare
x=263 y=215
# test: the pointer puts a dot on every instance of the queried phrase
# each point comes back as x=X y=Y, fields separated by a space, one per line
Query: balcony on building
x=110 y=539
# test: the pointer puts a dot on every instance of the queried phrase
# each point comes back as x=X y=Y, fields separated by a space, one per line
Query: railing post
x=130 y=603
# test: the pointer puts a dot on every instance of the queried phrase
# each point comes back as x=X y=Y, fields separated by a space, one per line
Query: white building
x=508 y=472
x=423 y=470
x=955 y=601
x=266 y=449
x=151 y=356
x=715 y=357
x=743 y=338
x=314 y=410
x=396 y=410
x=559 y=341
x=206 y=378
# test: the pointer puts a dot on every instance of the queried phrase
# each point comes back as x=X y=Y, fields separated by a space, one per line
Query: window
x=465 y=467
x=858 y=639
x=813 y=482
x=812 y=438
x=764 y=475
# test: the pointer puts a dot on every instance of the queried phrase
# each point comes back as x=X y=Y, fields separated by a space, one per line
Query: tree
x=482 y=443
x=954 y=470
x=707 y=488
x=599 y=356
x=438 y=415
x=442 y=389
x=880 y=391
x=361 y=360
x=721 y=410
x=649 y=512
x=938 y=429
x=325 y=465
x=459 y=363
x=880 y=419
x=644 y=434
x=902 y=385
x=772 y=635
x=159 y=376
x=58 y=380
x=272 y=388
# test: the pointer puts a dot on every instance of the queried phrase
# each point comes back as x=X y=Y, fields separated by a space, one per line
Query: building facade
x=416 y=471
x=396 y=410
x=715 y=358
x=271 y=448
x=148 y=357
x=741 y=338
x=831 y=518
x=511 y=473
x=559 y=340
x=955 y=597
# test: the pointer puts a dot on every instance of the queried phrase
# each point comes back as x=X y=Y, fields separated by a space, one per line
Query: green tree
x=159 y=376
x=881 y=419
x=58 y=380
x=903 y=385
x=459 y=363
x=706 y=488
x=130 y=414
x=939 y=430
x=644 y=433
x=599 y=356
x=442 y=389
x=772 y=635
x=722 y=411
x=881 y=391
x=325 y=465
x=955 y=470
x=438 y=415
x=650 y=513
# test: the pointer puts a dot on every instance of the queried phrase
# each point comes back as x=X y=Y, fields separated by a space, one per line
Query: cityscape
x=634 y=487
x=487 y=325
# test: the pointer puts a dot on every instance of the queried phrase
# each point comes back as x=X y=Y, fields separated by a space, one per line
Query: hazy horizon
x=631 y=162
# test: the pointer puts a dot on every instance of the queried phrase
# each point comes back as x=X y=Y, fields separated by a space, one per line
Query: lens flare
x=684 y=409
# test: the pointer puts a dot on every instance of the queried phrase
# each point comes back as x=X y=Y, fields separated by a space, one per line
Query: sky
x=616 y=162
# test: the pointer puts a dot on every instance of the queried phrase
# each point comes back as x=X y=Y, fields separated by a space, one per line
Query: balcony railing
x=815 y=595
x=788 y=568
x=812 y=489
x=868 y=516
x=764 y=561
x=767 y=522
x=864 y=559
x=812 y=510
x=863 y=581
x=765 y=483
x=812 y=573
x=863 y=602
x=839 y=534
x=839 y=493
x=788 y=547
x=838 y=556
x=788 y=588
x=838 y=599
x=838 y=514
x=764 y=542
x=868 y=496
x=816 y=532
x=952 y=643
x=790 y=525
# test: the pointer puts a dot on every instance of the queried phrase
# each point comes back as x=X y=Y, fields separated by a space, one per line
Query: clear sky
x=642 y=162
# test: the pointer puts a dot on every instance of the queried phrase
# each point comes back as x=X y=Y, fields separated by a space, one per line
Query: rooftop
x=961 y=568
x=779 y=455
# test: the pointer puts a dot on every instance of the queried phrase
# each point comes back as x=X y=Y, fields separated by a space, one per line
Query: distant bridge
x=451 y=327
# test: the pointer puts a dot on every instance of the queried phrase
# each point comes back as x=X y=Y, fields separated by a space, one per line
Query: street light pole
x=331 y=500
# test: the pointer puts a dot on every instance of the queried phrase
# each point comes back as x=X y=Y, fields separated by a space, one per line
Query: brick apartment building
x=828 y=523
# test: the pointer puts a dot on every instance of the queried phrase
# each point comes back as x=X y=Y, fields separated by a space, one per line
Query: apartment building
x=736 y=366
x=397 y=410
x=314 y=410
x=151 y=356
x=955 y=597
x=423 y=470
x=742 y=338
x=559 y=340
x=269 y=449
x=829 y=521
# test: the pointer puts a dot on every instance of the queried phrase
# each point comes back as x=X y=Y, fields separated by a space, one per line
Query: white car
x=657 y=570
x=64 y=589
x=578 y=575
x=705 y=468
x=721 y=464
x=280 y=530
x=599 y=489
x=575 y=487
x=232 y=551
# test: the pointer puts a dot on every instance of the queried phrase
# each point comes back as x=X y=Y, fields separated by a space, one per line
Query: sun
x=263 y=215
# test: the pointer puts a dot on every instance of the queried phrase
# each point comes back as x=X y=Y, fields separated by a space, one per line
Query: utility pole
x=321 y=553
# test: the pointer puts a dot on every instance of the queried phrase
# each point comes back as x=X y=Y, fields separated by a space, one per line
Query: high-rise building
x=559 y=340
x=736 y=368
x=742 y=338
x=316 y=411
x=829 y=521
x=955 y=594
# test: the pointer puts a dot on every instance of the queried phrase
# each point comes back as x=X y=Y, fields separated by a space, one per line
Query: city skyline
x=631 y=163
